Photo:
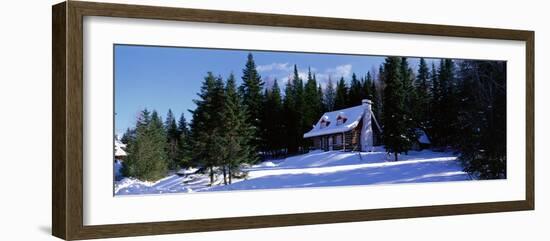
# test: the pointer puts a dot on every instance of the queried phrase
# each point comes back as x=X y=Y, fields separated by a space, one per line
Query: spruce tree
x=378 y=107
x=128 y=135
x=367 y=91
x=252 y=98
x=293 y=109
x=207 y=125
x=411 y=103
x=183 y=128
x=397 y=134
x=237 y=133
x=274 y=120
x=147 y=158
x=422 y=93
x=341 y=98
x=376 y=102
x=330 y=95
x=183 y=142
x=312 y=102
x=435 y=98
x=321 y=96
x=444 y=124
x=356 y=93
x=172 y=140
x=481 y=138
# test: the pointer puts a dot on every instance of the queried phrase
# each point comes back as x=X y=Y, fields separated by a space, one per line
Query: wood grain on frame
x=58 y=121
x=67 y=119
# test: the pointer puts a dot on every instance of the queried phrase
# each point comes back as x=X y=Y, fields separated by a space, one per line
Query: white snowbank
x=316 y=169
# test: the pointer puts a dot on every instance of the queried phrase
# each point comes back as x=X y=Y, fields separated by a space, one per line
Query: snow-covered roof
x=120 y=152
x=119 y=144
x=422 y=137
x=119 y=148
x=352 y=114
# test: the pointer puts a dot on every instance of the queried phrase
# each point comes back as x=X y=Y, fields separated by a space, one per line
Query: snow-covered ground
x=315 y=169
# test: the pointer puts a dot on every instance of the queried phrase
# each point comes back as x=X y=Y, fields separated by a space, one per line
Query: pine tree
x=482 y=118
x=330 y=95
x=321 y=96
x=293 y=109
x=183 y=142
x=300 y=108
x=411 y=102
x=397 y=132
x=376 y=102
x=207 y=124
x=379 y=100
x=252 y=98
x=422 y=93
x=312 y=102
x=435 y=99
x=147 y=158
x=172 y=140
x=183 y=128
x=341 y=98
x=237 y=133
x=128 y=135
x=444 y=124
x=367 y=91
x=355 y=92
x=274 y=133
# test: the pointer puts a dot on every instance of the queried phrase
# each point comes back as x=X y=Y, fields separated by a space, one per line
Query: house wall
x=350 y=141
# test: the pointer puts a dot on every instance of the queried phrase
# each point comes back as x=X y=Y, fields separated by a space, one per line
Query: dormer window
x=341 y=119
x=324 y=122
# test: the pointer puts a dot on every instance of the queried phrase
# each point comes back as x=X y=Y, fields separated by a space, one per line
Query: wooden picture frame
x=67 y=122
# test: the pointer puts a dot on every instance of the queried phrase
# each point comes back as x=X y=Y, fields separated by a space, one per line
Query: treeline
x=461 y=105
x=155 y=147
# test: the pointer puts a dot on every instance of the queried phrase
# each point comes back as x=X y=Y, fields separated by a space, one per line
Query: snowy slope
x=317 y=169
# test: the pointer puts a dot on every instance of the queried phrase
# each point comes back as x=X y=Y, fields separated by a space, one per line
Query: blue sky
x=160 y=78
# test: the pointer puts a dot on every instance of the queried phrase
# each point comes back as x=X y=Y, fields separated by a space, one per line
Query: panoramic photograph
x=192 y=120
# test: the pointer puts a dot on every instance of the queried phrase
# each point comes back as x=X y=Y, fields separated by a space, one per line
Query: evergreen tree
x=321 y=96
x=330 y=95
x=273 y=110
x=435 y=98
x=435 y=89
x=172 y=140
x=355 y=92
x=444 y=124
x=367 y=87
x=128 y=135
x=293 y=109
x=252 y=98
x=237 y=133
x=312 y=102
x=183 y=142
x=411 y=103
x=375 y=110
x=147 y=158
x=183 y=128
x=300 y=108
x=207 y=125
x=422 y=107
x=482 y=118
x=378 y=107
x=341 y=98
x=397 y=135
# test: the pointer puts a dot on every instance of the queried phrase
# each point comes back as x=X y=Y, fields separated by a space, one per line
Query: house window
x=338 y=140
x=341 y=120
x=324 y=124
